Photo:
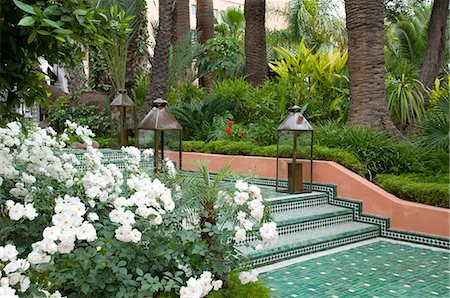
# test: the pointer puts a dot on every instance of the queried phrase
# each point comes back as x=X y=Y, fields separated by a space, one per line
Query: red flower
x=254 y=142
x=241 y=133
x=230 y=123
x=228 y=130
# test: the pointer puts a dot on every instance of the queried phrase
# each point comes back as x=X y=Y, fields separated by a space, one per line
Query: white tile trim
x=339 y=249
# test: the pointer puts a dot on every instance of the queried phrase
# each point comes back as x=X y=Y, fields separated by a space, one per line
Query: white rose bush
x=82 y=227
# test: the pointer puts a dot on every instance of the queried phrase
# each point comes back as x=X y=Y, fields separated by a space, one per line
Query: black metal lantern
x=295 y=123
x=122 y=102
x=159 y=120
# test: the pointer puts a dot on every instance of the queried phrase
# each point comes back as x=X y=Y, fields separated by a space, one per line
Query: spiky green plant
x=405 y=97
x=196 y=118
x=435 y=133
x=181 y=57
x=114 y=48
x=232 y=23
x=315 y=20
x=406 y=45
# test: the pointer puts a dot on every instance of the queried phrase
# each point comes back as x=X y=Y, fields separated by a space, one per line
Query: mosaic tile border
x=289 y=228
x=382 y=222
x=288 y=254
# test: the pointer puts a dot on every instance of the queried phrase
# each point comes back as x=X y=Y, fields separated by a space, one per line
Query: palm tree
x=160 y=65
x=365 y=26
x=436 y=44
x=255 y=41
x=314 y=20
x=205 y=25
x=232 y=23
x=181 y=23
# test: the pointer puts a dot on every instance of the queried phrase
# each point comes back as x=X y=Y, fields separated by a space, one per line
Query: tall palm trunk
x=436 y=44
x=139 y=34
x=160 y=64
x=180 y=20
x=365 y=26
x=205 y=24
x=255 y=41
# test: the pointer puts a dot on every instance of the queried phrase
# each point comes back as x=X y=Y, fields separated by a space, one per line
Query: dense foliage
x=420 y=188
x=82 y=227
x=70 y=108
x=50 y=30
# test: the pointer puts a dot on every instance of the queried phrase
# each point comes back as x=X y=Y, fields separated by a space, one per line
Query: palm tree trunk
x=180 y=20
x=436 y=45
x=255 y=41
x=205 y=24
x=138 y=36
x=365 y=27
x=160 y=65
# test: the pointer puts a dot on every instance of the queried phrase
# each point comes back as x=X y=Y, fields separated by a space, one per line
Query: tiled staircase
x=310 y=222
x=307 y=223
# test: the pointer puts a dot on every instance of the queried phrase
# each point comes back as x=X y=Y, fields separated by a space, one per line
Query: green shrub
x=185 y=92
x=420 y=188
x=375 y=150
x=319 y=79
x=240 y=94
x=69 y=108
x=196 y=118
x=436 y=162
x=108 y=142
x=246 y=148
x=435 y=127
x=236 y=289
x=139 y=90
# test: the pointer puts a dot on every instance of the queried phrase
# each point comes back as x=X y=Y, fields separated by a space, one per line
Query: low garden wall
x=404 y=215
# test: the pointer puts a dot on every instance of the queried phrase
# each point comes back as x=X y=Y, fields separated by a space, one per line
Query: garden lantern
x=122 y=102
x=294 y=123
x=160 y=120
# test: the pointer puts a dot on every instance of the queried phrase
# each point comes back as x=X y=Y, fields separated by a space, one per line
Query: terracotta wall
x=404 y=215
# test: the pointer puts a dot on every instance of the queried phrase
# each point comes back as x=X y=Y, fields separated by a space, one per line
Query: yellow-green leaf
x=62 y=39
x=31 y=37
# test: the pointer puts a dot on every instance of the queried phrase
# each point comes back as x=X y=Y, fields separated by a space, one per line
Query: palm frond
x=182 y=56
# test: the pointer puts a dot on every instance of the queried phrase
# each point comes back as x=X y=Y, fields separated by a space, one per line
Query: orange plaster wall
x=404 y=215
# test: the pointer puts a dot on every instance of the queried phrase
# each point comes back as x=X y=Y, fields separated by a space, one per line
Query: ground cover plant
x=79 y=227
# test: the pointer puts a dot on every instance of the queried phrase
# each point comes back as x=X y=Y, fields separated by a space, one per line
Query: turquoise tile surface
x=380 y=269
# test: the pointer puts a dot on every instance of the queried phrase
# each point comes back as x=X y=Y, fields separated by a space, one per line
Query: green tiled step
x=308 y=214
x=295 y=244
x=293 y=202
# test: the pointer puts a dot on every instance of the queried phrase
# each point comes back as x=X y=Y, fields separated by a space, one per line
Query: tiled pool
x=379 y=268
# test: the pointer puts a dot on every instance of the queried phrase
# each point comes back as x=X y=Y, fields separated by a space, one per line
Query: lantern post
x=159 y=119
x=296 y=124
x=122 y=101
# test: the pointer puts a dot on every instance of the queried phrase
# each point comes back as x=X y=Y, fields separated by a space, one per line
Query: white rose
x=24 y=284
x=8 y=252
x=52 y=233
x=217 y=284
x=241 y=185
x=30 y=212
x=92 y=216
x=240 y=197
x=86 y=232
x=269 y=232
x=244 y=277
x=240 y=236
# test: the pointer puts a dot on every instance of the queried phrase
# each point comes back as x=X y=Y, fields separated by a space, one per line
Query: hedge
x=418 y=187
x=340 y=156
